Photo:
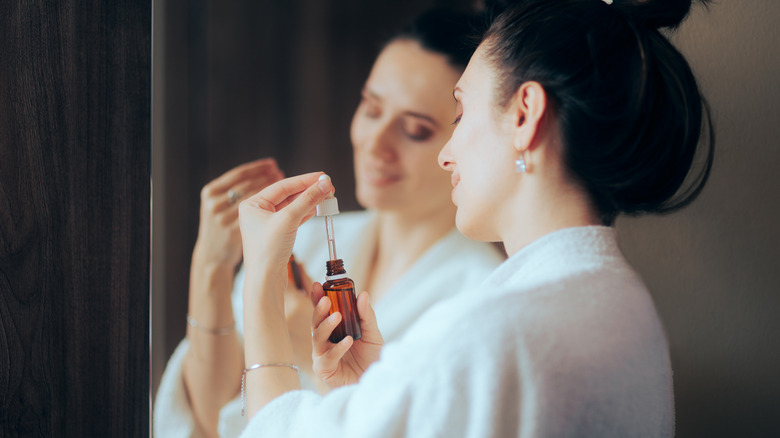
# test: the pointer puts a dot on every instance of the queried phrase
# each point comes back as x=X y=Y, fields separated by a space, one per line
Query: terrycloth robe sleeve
x=421 y=387
x=172 y=405
x=562 y=340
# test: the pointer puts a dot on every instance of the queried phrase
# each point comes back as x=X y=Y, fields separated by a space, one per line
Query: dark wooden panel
x=74 y=217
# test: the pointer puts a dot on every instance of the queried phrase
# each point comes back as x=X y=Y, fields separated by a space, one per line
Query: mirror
x=237 y=81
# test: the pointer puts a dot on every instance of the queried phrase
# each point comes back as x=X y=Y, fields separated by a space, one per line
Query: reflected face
x=480 y=153
x=403 y=120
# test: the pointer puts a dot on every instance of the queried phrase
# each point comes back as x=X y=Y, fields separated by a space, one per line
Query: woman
x=569 y=113
x=404 y=248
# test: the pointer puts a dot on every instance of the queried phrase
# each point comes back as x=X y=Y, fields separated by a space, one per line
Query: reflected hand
x=219 y=239
x=343 y=363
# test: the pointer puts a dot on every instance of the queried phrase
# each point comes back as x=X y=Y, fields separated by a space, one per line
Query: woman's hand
x=219 y=239
x=213 y=361
x=269 y=221
x=343 y=363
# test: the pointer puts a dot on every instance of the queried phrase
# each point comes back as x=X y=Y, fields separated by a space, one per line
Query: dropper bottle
x=338 y=287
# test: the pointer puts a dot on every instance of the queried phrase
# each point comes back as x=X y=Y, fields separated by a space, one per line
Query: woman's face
x=480 y=154
x=403 y=120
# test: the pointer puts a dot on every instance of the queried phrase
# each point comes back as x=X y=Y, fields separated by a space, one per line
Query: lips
x=455 y=180
x=380 y=177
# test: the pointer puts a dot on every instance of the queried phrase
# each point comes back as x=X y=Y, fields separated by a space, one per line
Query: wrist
x=264 y=287
x=204 y=258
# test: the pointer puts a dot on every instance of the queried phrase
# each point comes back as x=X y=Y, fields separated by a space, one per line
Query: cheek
x=475 y=207
x=424 y=163
x=356 y=131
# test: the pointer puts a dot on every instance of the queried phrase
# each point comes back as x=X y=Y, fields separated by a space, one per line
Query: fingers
x=239 y=183
x=325 y=365
x=248 y=187
x=303 y=207
x=250 y=170
x=305 y=190
x=278 y=192
x=322 y=325
x=325 y=354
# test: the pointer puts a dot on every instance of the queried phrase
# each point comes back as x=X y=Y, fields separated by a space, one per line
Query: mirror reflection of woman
x=570 y=113
x=404 y=247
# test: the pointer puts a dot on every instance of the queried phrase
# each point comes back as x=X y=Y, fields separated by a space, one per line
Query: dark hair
x=628 y=105
x=452 y=33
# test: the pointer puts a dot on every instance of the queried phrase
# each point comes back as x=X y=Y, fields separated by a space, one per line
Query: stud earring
x=520 y=166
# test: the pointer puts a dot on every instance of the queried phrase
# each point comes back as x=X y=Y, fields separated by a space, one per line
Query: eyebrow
x=408 y=113
x=422 y=116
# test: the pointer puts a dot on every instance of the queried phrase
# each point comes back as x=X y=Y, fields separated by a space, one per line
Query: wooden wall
x=74 y=217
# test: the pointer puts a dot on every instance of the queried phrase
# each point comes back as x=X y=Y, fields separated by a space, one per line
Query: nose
x=380 y=141
x=446 y=161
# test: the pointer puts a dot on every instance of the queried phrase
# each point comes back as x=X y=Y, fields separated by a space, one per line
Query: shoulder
x=597 y=312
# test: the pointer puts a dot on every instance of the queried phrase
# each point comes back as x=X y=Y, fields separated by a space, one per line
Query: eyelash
x=417 y=133
x=457 y=120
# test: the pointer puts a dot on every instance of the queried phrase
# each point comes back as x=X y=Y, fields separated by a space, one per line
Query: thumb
x=368 y=323
x=303 y=205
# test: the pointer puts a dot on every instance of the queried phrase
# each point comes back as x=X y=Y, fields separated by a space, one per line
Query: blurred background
x=235 y=81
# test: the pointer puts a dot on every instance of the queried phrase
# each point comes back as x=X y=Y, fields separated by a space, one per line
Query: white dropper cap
x=329 y=206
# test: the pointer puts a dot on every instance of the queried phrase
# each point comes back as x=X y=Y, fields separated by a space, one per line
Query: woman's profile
x=569 y=114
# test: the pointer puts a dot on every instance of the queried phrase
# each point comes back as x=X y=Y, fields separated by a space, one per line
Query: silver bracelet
x=254 y=367
x=212 y=331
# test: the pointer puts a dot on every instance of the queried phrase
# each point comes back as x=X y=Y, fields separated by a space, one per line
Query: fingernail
x=324 y=184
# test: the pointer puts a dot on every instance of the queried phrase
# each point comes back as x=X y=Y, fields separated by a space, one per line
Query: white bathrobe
x=562 y=340
x=450 y=266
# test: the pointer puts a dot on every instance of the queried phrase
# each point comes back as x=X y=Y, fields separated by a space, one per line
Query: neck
x=402 y=238
x=548 y=211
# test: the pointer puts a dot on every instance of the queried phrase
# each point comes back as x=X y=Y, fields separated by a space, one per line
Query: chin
x=375 y=199
x=472 y=227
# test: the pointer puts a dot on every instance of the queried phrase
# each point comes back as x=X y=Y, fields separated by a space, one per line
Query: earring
x=520 y=166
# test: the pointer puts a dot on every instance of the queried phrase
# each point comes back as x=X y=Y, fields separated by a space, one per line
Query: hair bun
x=656 y=14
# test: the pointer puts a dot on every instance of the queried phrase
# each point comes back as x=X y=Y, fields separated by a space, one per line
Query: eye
x=369 y=105
x=417 y=131
x=457 y=120
x=420 y=134
x=370 y=109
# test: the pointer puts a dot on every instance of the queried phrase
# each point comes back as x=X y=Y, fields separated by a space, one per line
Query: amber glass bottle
x=341 y=291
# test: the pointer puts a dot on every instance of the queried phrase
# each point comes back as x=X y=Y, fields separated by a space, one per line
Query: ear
x=528 y=106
